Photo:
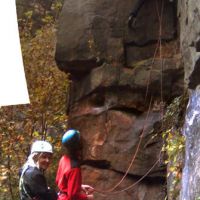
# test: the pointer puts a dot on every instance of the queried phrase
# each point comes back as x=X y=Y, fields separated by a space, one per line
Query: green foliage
x=47 y=85
x=35 y=14
x=174 y=142
x=174 y=147
x=45 y=116
x=174 y=115
x=29 y=14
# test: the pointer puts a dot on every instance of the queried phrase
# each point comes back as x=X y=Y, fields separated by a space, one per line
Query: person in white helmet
x=32 y=184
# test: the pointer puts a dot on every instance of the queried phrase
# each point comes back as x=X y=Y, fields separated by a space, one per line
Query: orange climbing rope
x=160 y=16
x=131 y=163
x=134 y=184
x=159 y=45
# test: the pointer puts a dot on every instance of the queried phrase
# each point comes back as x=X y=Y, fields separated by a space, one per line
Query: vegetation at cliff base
x=174 y=145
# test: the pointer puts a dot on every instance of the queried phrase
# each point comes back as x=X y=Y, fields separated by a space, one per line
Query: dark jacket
x=33 y=184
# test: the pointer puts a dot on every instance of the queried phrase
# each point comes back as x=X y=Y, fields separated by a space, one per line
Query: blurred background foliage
x=45 y=117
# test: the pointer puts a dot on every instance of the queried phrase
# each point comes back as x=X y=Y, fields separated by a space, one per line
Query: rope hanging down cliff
x=133 y=14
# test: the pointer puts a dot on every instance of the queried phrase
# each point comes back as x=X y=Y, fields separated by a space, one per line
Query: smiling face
x=44 y=160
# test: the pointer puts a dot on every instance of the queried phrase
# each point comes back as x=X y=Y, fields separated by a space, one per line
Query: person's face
x=44 y=160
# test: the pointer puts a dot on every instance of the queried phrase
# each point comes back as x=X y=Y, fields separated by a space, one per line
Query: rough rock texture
x=102 y=32
x=122 y=81
x=189 y=14
x=191 y=177
x=147 y=190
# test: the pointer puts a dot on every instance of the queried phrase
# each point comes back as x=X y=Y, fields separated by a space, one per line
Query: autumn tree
x=44 y=117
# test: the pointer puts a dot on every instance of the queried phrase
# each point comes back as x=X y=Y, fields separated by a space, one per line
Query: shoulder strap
x=74 y=163
x=21 y=184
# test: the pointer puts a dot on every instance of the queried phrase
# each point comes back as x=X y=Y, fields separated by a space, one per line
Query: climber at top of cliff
x=133 y=15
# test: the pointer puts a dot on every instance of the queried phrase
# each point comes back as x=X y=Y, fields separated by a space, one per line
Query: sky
x=13 y=87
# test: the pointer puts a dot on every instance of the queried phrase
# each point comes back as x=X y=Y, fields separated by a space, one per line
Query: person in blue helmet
x=68 y=178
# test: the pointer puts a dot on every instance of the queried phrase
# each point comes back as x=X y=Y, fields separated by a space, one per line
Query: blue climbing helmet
x=71 y=137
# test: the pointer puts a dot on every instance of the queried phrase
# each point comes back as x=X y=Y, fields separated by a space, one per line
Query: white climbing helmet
x=41 y=146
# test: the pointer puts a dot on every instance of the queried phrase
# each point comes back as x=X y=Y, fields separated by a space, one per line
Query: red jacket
x=68 y=180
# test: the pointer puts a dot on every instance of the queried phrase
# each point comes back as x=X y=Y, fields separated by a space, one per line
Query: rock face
x=190 y=27
x=148 y=189
x=122 y=80
x=102 y=32
x=191 y=178
x=190 y=40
